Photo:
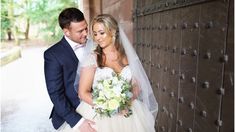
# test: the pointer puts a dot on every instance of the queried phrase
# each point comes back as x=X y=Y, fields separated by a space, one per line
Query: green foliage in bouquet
x=112 y=96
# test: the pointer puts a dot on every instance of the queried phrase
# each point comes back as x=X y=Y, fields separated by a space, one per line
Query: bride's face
x=101 y=36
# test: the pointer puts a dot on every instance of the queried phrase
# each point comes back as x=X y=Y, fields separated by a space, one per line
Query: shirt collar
x=73 y=44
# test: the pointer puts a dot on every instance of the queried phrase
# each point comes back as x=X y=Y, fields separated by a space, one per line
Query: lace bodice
x=106 y=72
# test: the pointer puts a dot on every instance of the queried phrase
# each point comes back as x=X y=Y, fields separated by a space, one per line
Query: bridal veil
x=138 y=72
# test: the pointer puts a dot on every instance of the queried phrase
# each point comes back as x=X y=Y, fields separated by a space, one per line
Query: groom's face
x=77 y=32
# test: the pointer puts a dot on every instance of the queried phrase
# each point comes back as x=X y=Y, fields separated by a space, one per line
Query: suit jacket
x=60 y=66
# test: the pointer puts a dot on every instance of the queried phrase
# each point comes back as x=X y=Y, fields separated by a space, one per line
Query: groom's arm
x=78 y=124
x=56 y=89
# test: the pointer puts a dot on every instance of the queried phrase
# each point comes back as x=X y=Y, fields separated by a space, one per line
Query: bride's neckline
x=118 y=73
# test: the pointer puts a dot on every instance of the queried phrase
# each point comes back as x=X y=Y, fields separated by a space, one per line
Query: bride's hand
x=135 y=91
x=126 y=112
x=87 y=126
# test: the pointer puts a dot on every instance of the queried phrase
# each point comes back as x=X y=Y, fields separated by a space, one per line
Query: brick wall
x=120 y=9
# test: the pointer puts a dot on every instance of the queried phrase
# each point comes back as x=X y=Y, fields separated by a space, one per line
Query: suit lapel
x=69 y=50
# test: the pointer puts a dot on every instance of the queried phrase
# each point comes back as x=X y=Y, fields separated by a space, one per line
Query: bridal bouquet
x=112 y=95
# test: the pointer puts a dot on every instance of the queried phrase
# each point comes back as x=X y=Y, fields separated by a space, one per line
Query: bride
x=115 y=58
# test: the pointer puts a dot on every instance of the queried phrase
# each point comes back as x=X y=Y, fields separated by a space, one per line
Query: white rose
x=113 y=104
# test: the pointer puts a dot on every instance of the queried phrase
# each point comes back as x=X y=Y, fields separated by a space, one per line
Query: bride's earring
x=114 y=38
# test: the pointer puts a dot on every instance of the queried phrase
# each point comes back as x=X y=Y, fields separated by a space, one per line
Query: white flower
x=112 y=95
x=115 y=80
x=118 y=89
x=113 y=104
x=99 y=86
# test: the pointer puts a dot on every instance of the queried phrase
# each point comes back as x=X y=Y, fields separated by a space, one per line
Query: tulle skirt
x=140 y=121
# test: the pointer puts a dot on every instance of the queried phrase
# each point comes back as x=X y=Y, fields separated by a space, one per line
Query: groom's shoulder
x=54 y=47
x=51 y=49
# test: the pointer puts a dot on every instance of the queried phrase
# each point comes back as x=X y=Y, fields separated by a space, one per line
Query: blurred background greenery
x=27 y=23
x=31 y=19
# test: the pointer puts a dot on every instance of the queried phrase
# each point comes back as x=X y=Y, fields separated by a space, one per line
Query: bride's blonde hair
x=111 y=28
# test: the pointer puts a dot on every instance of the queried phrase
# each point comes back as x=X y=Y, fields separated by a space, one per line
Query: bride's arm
x=85 y=84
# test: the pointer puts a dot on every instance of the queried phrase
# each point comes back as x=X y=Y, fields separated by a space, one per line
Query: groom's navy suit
x=60 y=68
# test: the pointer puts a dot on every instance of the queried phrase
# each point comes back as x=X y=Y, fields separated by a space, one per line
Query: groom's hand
x=86 y=126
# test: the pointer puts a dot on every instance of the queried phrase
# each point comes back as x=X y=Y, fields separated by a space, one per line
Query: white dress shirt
x=80 y=50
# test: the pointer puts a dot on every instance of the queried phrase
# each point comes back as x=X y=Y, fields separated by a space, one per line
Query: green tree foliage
x=42 y=13
x=5 y=21
x=45 y=13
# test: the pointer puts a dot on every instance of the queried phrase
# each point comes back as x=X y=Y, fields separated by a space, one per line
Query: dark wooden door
x=187 y=49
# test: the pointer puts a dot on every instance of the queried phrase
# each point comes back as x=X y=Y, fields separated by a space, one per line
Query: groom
x=60 y=66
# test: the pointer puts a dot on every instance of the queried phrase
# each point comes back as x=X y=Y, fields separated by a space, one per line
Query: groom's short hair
x=69 y=15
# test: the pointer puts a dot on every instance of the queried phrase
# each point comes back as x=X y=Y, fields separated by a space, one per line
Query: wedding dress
x=141 y=119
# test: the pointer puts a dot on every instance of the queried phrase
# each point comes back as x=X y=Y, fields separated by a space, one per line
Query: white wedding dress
x=140 y=121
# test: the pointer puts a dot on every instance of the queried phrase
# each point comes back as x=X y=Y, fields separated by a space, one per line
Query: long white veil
x=138 y=72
